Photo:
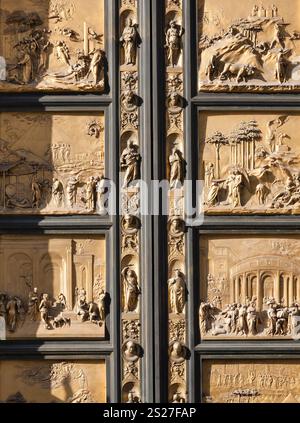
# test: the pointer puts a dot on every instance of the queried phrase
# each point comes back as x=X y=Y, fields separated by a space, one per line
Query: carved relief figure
x=234 y=183
x=90 y=193
x=281 y=67
x=131 y=290
x=36 y=193
x=96 y=65
x=72 y=190
x=177 y=293
x=130 y=42
x=174 y=34
x=177 y=168
x=12 y=313
x=101 y=193
x=57 y=192
x=33 y=304
x=130 y=161
x=44 y=309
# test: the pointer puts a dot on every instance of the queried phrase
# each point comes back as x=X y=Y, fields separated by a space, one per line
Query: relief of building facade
x=52 y=163
x=248 y=46
x=40 y=382
x=54 y=45
x=250 y=288
x=52 y=287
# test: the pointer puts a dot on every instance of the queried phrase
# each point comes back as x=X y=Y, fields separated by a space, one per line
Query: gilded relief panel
x=249 y=46
x=52 y=45
x=250 y=162
x=52 y=382
x=256 y=381
x=250 y=287
x=52 y=287
x=52 y=163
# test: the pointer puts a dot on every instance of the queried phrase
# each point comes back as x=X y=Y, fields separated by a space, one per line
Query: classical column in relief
x=69 y=276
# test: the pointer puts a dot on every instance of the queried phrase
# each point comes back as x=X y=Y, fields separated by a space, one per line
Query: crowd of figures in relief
x=254 y=290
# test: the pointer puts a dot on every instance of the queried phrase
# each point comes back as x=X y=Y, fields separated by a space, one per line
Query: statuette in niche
x=177 y=292
x=177 y=168
x=130 y=41
x=255 y=53
x=173 y=45
x=130 y=162
x=131 y=290
x=47 y=53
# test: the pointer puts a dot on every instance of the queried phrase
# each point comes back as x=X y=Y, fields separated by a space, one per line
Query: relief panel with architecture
x=52 y=163
x=250 y=287
x=52 y=287
x=250 y=162
x=249 y=46
x=244 y=381
x=52 y=45
x=52 y=382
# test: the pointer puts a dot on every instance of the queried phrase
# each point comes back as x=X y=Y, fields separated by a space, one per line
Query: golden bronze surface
x=52 y=287
x=251 y=381
x=52 y=45
x=67 y=381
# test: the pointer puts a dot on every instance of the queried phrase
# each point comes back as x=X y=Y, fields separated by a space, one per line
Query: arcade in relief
x=250 y=288
x=255 y=51
x=53 y=288
x=51 y=164
x=53 y=45
x=250 y=163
